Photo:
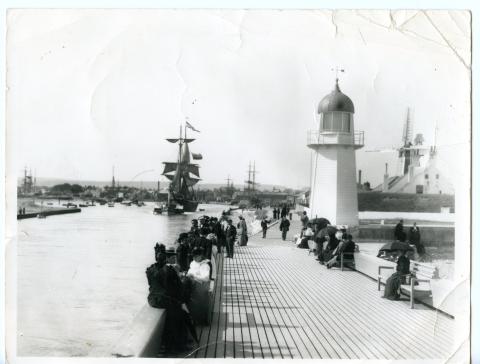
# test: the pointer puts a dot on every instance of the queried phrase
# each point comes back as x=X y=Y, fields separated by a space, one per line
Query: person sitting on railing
x=392 y=286
x=197 y=287
x=166 y=291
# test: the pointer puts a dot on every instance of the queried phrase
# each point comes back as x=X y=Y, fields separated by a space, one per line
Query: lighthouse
x=333 y=188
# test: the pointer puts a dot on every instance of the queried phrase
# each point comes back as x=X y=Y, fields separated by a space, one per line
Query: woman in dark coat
x=182 y=252
x=327 y=252
x=166 y=291
x=392 y=286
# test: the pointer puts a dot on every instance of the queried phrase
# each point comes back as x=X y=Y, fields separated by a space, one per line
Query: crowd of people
x=327 y=242
x=179 y=280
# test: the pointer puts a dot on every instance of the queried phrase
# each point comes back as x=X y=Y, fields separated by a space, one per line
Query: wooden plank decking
x=272 y=300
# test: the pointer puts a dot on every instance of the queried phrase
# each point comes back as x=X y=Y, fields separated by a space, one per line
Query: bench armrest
x=421 y=280
x=380 y=267
x=413 y=280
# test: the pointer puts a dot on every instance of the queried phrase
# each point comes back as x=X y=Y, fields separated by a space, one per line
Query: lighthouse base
x=333 y=193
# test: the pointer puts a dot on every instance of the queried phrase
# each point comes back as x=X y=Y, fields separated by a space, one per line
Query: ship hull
x=180 y=205
x=189 y=205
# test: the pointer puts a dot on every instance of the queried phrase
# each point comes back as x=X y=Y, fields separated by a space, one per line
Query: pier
x=273 y=300
x=49 y=212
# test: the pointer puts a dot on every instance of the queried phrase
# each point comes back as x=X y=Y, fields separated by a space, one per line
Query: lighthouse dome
x=336 y=101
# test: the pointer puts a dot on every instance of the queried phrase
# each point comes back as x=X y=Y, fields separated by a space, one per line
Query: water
x=81 y=277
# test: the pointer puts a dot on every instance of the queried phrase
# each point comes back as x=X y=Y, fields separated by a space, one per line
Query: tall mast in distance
x=253 y=177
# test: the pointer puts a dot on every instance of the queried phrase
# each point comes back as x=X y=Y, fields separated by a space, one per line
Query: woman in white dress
x=198 y=286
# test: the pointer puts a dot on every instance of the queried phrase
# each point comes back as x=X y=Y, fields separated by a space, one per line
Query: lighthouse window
x=327 y=122
x=345 y=122
x=335 y=121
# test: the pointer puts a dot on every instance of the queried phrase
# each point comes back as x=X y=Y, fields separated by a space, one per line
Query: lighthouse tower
x=333 y=192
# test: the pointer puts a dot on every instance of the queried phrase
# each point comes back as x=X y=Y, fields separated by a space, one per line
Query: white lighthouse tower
x=333 y=188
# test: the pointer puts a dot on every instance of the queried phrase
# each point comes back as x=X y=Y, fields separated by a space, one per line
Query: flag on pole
x=188 y=125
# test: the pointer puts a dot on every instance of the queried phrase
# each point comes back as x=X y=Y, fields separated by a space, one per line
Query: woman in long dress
x=242 y=232
x=392 y=286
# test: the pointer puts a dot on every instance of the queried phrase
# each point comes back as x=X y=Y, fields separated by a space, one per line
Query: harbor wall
x=404 y=202
x=48 y=213
x=430 y=235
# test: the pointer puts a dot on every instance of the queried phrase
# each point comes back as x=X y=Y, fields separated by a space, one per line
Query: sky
x=92 y=89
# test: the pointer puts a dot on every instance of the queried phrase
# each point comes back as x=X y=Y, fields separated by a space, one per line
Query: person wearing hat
x=393 y=283
x=242 y=231
x=219 y=232
x=230 y=236
x=398 y=233
x=194 y=228
x=336 y=253
x=284 y=227
x=264 y=226
x=304 y=220
x=165 y=291
x=182 y=252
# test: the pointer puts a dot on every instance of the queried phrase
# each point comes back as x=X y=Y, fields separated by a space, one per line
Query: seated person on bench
x=307 y=235
x=165 y=291
x=346 y=246
x=326 y=254
x=392 y=286
x=197 y=286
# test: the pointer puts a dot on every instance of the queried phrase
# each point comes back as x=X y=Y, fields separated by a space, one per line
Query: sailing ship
x=183 y=175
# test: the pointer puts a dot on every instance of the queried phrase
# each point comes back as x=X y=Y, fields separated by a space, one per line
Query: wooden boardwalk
x=272 y=300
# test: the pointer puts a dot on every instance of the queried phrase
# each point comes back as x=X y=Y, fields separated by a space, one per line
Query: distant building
x=427 y=179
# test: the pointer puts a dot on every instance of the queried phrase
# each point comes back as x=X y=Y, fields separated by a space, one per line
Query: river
x=81 y=277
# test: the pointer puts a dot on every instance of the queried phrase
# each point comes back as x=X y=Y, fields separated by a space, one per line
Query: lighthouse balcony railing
x=320 y=138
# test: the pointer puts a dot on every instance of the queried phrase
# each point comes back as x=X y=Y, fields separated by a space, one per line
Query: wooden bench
x=418 y=280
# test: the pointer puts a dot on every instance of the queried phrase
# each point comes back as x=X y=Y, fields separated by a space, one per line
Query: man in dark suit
x=284 y=227
x=230 y=236
x=264 y=227
x=398 y=232
x=414 y=237
x=218 y=231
